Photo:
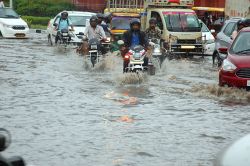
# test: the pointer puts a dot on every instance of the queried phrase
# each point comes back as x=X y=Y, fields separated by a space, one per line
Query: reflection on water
x=62 y=113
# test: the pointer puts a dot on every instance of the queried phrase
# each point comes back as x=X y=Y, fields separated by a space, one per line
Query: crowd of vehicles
x=182 y=33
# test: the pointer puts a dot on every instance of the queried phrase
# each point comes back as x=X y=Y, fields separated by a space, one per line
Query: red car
x=235 y=70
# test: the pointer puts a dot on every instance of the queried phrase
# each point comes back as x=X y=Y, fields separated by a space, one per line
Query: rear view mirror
x=223 y=50
x=55 y=24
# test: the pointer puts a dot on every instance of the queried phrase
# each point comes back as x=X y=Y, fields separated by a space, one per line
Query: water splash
x=226 y=94
x=132 y=78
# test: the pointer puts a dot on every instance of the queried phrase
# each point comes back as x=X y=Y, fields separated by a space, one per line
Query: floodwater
x=62 y=112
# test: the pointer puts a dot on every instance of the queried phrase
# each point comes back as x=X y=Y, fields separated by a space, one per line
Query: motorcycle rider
x=153 y=32
x=92 y=31
x=63 y=23
x=134 y=37
x=102 y=23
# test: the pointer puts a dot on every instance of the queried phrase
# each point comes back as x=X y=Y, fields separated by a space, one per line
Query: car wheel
x=50 y=40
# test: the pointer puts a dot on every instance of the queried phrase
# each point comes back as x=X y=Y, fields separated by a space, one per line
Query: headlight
x=157 y=50
x=173 y=39
x=210 y=41
x=7 y=26
x=228 y=66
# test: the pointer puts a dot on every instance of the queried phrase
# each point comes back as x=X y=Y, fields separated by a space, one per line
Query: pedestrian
x=1 y=4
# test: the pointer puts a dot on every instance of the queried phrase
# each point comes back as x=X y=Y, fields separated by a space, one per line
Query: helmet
x=64 y=14
x=107 y=15
x=100 y=15
x=152 y=21
x=93 y=19
x=135 y=21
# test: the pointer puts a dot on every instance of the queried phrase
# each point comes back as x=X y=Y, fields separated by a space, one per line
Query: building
x=90 y=5
x=210 y=3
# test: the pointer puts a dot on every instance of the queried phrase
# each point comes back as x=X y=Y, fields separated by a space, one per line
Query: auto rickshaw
x=120 y=23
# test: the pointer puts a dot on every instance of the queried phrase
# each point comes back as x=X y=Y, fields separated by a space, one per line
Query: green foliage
x=44 y=8
x=31 y=20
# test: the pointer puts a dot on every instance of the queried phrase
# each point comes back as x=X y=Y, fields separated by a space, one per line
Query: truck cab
x=181 y=30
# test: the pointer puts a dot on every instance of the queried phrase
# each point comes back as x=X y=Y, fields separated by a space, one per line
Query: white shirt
x=91 y=33
x=1 y=4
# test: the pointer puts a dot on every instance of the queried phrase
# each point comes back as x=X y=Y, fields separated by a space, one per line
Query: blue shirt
x=64 y=24
x=135 y=39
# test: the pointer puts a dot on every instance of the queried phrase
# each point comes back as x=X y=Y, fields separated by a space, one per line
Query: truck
x=181 y=30
x=237 y=8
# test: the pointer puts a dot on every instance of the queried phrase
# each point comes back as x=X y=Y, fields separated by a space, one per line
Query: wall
x=90 y=5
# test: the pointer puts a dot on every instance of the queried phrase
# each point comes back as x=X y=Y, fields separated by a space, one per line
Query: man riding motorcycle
x=134 y=37
x=63 y=23
x=92 y=31
x=153 y=32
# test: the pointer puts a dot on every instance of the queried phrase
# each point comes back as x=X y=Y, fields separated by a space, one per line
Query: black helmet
x=152 y=21
x=65 y=14
x=135 y=21
x=107 y=15
x=93 y=19
x=100 y=15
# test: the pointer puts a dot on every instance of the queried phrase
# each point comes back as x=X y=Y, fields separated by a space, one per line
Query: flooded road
x=61 y=112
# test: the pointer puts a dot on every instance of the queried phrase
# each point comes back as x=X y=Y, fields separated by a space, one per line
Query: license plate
x=248 y=83
x=65 y=34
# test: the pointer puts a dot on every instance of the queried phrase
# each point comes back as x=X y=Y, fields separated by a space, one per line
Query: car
x=236 y=154
x=208 y=39
x=235 y=69
x=224 y=39
x=12 y=25
x=79 y=20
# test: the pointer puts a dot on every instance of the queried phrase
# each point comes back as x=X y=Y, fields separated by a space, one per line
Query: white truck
x=237 y=8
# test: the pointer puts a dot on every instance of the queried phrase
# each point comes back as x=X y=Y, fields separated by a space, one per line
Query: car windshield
x=182 y=21
x=241 y=44
x=121 y=23
x=8 y=13
x=79 y=20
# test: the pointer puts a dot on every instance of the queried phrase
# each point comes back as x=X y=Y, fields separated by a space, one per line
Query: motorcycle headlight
x=157 y=50
x=93 y=47
x=228 y=66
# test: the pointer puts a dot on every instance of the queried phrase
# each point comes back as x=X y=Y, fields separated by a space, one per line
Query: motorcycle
x=157 y=53
x=5 y=139
x=64 y=37
x=95 y=53
x=134 y=59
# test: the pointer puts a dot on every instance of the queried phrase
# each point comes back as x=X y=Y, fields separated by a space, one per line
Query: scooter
x=5 y=139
